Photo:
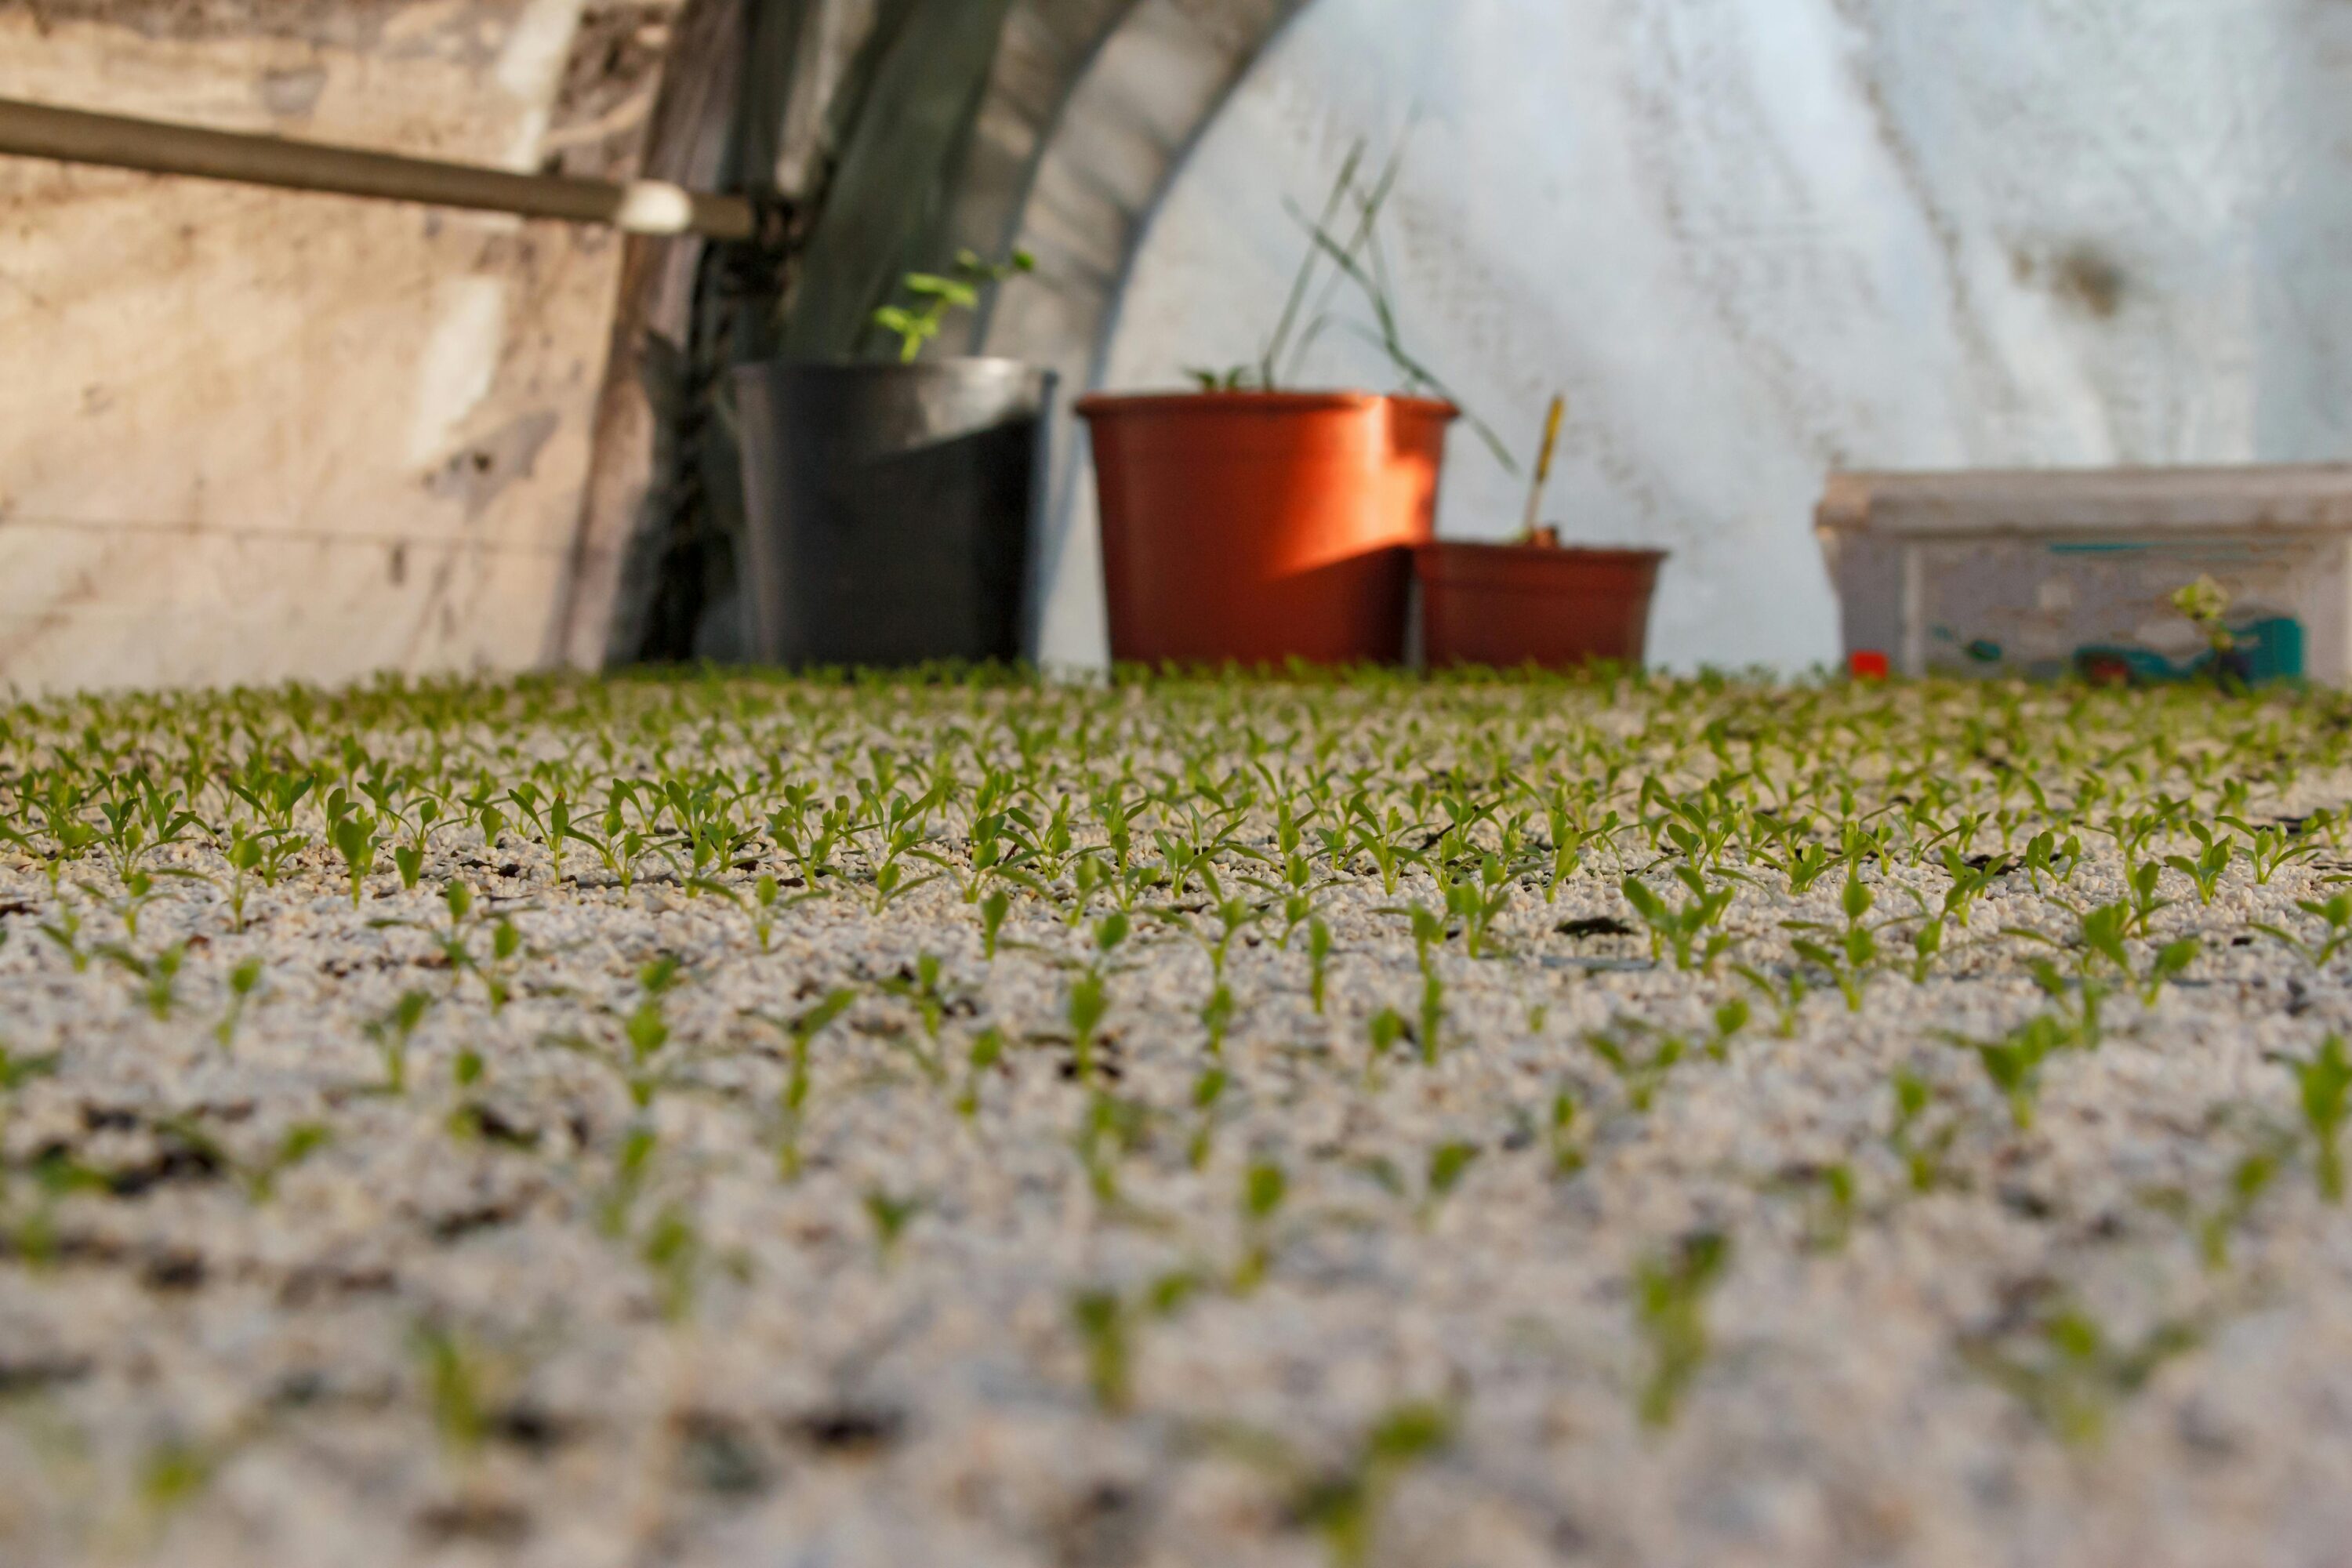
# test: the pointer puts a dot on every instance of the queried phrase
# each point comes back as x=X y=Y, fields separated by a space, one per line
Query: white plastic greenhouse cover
x=1754 y=240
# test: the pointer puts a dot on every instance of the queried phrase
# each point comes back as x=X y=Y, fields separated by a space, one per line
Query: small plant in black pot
x=890 y=505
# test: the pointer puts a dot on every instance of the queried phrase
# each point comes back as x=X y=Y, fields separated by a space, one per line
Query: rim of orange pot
x=1493 y=549
x=1228 y=403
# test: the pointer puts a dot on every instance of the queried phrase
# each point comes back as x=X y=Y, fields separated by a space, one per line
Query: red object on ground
x=1260 y=527
x=1511 y=605
x=1866 y=664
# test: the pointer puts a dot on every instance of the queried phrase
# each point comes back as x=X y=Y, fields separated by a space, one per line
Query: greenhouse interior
x=1421 y=783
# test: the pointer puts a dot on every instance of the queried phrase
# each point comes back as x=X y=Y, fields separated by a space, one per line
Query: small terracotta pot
x=1506 y=605
x=1256 y=528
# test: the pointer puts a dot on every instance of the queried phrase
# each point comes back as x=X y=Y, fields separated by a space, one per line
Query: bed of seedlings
x=974 y=1120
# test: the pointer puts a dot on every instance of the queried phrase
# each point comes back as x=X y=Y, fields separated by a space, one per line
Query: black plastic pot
x=890 y=507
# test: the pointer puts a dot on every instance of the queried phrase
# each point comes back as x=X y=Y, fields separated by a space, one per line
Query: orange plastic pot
x=1256 y=528
x=1506 y=605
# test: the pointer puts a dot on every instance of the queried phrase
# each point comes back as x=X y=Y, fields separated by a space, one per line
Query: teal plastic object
x=2261 y=651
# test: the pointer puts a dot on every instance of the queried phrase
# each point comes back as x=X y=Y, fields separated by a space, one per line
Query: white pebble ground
x=560 y=1260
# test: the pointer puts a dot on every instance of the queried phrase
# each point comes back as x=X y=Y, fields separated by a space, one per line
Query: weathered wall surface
x=247 y=435
x=1753 y=239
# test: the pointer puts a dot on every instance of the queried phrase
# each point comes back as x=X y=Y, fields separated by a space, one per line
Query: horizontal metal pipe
x=157 y=147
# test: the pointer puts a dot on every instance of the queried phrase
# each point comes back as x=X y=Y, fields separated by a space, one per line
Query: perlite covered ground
x=1221 y=1123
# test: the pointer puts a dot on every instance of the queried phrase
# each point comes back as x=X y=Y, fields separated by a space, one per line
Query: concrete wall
x=1752 y=239
x=247 y=435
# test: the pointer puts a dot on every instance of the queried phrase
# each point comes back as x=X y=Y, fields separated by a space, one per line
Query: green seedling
x=2065 y=1370
x=1346 y=1505
x=175 y=1471
x=506 y=944
x=1090 y=1001
x=890 y=1216
x=1926 y=947
x=1567 y=1152
x=1208 y=1089
x=1689 y=931
x=58 y=1175
x=672 y=1251
x=1477 y=900
x=1802 y=865
x=138 y=890
x=1641 y=1072
x=2269 y=850
x=1235 y=916
x=1101 y=1318
x=1264 y=1185
x=243 y=982
x=1967 y=885
x=158 y=975
x=1433 y=1015
x=2213 y=1227
x=799 y=1032
x=2169 y=964
x=2206 y=604
x=2014 y=1062
x=1730 y=1019
x=631 y=1165
x=60 y=804
x=1388 y=842
x=1448 y=1163
x=925 y=991
x=986 y=1052
x=764 y=895
x=992 y=910
x=16 y=1072
x=1787 y=996
x=245 y=853
x=616 y=835
x=140 y=816
x=64 y=932
x=891 y=882
x=2324 y=1084
x=2046 y=855
x=1110 y=1130
x=458 y=1391
x=937 y=295
x=2143 y=881
x=1925 y=1154
x=2206 y=869
x=2079 y=1003
x=300 y=1142
x=2248 y=1181
x=1569 y=840
x=2334 y=915
x=647 y=1028
x=1829 y=1223
x=1318 y=962
x=1217 y=1017
x=1670 y=1299
x=1108 y=1323
x=273 y=796
x=1382 y=1033
x=393 y=1032
x=1855 y=954
x=356 y=836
